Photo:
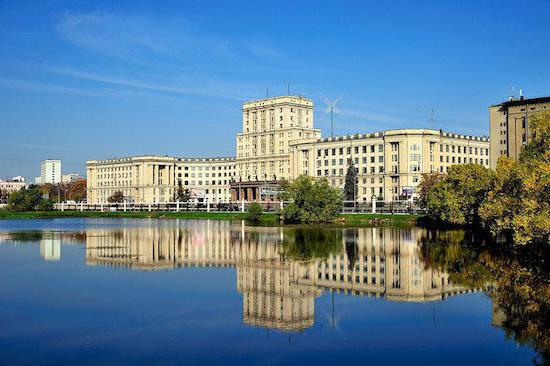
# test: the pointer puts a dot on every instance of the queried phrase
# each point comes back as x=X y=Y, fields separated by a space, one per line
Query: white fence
x=393 y=207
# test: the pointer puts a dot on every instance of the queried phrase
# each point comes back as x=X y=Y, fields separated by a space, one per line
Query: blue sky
x=88 y=79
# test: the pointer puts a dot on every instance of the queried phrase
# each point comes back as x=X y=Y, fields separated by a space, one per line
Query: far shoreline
x=359 y=219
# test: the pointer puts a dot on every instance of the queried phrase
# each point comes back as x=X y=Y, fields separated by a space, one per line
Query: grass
x=267 y=218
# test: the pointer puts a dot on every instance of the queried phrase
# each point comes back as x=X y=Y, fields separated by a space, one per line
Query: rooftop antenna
x=512 y=94
x=330 y=108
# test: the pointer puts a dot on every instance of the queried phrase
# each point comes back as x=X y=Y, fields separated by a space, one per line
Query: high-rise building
x=269 y=127
x=509 y=125
x=50 y=171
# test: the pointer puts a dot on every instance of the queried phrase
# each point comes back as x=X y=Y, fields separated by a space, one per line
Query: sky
x=90 y=79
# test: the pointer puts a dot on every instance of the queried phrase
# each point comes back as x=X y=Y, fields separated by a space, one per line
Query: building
x=277 y=288
x=71 y=177
x=389 y=163
x=279 y=142
x=269 y=127
x=156 y=179
x=509 y=125
x=18 y=179
x=50 y=172
x=8 y=187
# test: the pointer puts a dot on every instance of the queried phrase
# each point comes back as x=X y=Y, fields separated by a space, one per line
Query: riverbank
x=267 y=218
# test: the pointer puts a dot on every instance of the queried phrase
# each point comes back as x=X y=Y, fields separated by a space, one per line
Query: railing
x=393 y=207
x=378 y=206
x=167 y=207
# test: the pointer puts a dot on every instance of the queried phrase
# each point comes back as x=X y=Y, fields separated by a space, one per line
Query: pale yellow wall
x=153 y=179
x=268 y=128
x=385 y=159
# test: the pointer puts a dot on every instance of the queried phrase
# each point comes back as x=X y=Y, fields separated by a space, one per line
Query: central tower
x=270 y=126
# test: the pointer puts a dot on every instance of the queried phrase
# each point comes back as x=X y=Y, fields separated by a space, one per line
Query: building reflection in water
x=50 y=248
x=279 y=284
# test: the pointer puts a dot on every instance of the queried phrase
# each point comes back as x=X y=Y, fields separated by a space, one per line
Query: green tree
x=426 y=185
x=28 y=199
x=311 y=200
x=4 y=195
x=254 y=212
x=458 y=195
x=519 y=204
x=117 y=197
x=182 y=194
x=350 y=187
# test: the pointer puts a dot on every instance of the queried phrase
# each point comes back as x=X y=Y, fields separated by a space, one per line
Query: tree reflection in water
x=517 y=280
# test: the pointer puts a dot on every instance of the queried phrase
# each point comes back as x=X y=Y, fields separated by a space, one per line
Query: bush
x=28 y=199
x=311 y=200
x=254 y=212
x=45 y=205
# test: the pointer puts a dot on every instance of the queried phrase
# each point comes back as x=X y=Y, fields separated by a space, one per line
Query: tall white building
x=50 y=171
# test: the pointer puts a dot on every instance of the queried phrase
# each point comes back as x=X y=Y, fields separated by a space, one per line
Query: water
x=112 y=291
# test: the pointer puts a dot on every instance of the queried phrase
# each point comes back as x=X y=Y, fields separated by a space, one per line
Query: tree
x=28 y=199
x=311 y=200
x=4 y=195
x=254 y=212
x=182 y=195
x=457 y=197
x=426 y=184
x=117 y=197
x=77 y=190
x=519 y=204
x=350 y=187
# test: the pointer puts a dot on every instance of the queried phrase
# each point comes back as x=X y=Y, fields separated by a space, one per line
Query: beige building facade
x=278 y=142
x=269 y=127
x=509 y=125
x=390 y=163
x=156 y=179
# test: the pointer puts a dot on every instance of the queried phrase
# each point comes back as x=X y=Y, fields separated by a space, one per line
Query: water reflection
x=280 y=271
x=517 y=280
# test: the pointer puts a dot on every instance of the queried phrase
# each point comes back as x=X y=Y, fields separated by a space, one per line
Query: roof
x=518 y=102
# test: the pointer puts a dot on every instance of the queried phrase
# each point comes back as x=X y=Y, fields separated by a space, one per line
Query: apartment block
x=50 y=171
x=509 y=125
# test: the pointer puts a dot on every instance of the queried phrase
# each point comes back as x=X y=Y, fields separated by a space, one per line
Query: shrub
x=254 y=212
x=311 y=200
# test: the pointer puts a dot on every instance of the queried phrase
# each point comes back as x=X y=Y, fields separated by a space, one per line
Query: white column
x=124 y=206
x=242 y=206
x=178 y=206
x=81 y=206
x=373 y=203
x=208 y=206
x=62 y=206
